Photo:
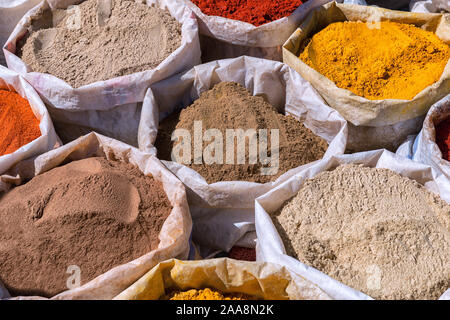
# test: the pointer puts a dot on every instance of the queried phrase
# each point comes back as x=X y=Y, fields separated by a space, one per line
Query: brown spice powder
x=93 y=213
x=230 y=106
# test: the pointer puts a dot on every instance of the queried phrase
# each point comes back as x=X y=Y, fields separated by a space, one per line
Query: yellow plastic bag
x=261 y=280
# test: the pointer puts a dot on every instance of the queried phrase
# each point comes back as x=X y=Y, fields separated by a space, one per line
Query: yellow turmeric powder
x=205 y=294
x=378 y=61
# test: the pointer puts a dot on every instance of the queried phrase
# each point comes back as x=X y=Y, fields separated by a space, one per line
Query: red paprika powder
x=443 y=138
x=18 y=124
x=241 y=253
x=256 y=12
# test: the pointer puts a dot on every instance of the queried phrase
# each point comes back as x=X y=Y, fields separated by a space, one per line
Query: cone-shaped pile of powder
x=94 y=213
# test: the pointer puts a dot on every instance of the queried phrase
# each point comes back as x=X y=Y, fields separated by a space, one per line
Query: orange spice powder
x=18 y=124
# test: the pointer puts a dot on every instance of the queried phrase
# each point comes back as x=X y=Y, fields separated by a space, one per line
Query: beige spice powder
x=113 y=38
x=373 y=230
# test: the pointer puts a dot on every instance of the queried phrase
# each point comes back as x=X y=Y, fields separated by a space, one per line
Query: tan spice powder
x=371 y=229
x=114 y=38
x=230 y=106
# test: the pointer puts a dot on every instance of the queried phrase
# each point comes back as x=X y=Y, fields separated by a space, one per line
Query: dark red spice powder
x=443 y=138
x=256 y=12
x=241 y=253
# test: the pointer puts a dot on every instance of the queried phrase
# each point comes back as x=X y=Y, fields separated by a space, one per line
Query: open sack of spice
x=432 y=145
x=381 y=69
x=327 y=224
x=257 y=28
x=221 y=279
x=96 y=216
x=92 y=63
x=26 y=128
x=231 y=130
x=11 y=11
